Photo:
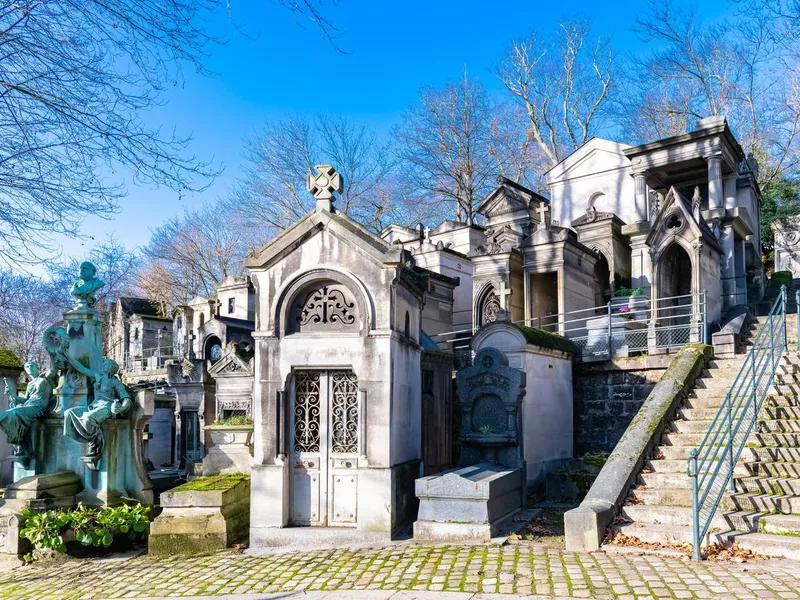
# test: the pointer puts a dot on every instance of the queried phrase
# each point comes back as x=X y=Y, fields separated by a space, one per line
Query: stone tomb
x=487 y=489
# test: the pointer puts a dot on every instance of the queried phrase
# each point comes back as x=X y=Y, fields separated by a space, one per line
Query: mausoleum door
x=324 y=453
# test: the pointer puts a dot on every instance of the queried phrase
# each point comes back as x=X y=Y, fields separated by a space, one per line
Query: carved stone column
x=715 y=195
x=640 y=195
x=729 y=188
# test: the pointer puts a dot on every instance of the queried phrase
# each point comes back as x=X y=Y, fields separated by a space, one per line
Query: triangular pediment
x=675 y=218
x=507 y=198
x=598 y=155
x=231 y=364
x=316 y=222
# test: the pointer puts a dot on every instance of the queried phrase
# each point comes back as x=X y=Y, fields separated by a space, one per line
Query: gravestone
x=479 y=497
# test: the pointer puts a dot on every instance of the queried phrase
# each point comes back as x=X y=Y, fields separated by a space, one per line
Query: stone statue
x=23 y=412
x=85 y=288
x=111 y=401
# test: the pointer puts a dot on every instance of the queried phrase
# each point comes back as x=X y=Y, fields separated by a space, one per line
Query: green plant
x=487 y=430
x=90 y=526
x=623 y=292
x=235 y=420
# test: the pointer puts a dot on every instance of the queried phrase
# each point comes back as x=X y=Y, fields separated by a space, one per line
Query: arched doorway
x=602 y=280
x=674 y=301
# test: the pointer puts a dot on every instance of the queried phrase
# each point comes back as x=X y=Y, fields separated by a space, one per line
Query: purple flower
x=624 y=309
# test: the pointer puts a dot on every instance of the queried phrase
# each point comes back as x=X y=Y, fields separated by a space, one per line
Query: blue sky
x=395 y=48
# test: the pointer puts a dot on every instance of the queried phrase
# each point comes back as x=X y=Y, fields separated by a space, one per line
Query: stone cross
x=503 y=293
x=542 y=210
x=324 y=184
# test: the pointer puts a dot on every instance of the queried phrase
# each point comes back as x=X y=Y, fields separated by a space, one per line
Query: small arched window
x=408 y=325
x=202 y=319
x=323 y=305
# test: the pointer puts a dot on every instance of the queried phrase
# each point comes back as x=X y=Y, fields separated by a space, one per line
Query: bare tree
x=32 y=305
x=75 y=78
x=272 y=193
x=736 y=67
x=564 y=83
x=189 y=255
x=453 y=144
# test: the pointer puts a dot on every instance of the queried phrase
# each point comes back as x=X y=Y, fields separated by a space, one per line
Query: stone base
x=36 y=492
x=468 y=502
x=201 y=520
x=229 y=450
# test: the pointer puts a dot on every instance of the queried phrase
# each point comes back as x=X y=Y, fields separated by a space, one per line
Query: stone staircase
x=763 y=514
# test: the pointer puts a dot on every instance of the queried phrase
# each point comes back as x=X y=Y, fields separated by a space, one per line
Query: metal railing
x=624 y=326
x=711 y=465
x=151 y=359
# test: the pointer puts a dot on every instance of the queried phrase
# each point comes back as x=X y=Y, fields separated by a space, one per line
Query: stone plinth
x=206 y=514
x=468 y=503
x=229 y=449
x=120 y=471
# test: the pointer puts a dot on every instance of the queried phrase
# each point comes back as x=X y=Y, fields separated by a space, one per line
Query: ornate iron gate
x=325 y=448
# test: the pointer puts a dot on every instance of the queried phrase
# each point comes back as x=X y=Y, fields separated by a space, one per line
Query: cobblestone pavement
x=522 y=569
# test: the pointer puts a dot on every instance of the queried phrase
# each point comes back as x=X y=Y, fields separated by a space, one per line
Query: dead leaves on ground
x=714 y=552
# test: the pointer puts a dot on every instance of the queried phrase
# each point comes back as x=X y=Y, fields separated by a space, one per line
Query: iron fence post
x=753 y=387
x=797 y=304
x=692 y=472
x=731 y=483
x=610 y=335
x=704 y=330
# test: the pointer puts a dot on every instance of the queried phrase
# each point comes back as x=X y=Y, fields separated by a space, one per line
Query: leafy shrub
x=623 y=292
x=90 y=526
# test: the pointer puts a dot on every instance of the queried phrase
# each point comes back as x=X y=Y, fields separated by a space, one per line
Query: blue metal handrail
x=711 y=464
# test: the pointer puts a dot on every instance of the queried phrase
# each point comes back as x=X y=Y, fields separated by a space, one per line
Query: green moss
x=626 y=292
x=596 y=459
x=9 y=360
x=214 y=482
x=545 y=339
x=235 y=420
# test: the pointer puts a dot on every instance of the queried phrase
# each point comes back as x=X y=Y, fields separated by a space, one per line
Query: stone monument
x=479 y=497
x=73 y=441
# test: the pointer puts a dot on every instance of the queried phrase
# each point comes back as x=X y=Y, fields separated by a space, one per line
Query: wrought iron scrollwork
x=307 y=412
x=326 y=305
x=491 y=307
x=344 y=413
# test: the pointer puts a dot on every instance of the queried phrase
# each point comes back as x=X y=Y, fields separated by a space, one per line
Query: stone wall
x=607 y=395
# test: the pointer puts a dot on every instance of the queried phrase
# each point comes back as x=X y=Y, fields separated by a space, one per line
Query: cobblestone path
x=516 y=569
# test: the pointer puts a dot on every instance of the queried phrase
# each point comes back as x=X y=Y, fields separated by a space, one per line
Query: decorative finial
x=85 y=288
x=324 y=185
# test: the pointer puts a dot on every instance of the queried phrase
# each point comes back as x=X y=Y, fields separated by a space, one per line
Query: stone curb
x=585 y=526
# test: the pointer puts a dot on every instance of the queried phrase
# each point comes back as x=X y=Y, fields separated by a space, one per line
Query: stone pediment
x=598 y=155
x=507 y=198
x=314 y=223
x=675 y=219
x=592 y=216
x=231 y=364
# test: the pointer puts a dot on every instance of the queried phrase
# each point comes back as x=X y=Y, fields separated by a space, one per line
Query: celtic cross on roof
x=325 y=183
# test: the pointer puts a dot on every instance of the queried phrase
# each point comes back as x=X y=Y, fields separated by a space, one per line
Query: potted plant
x=228 y=446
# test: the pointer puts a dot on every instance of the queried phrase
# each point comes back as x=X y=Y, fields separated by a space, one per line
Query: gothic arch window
x=489 y=307
x=323 y=305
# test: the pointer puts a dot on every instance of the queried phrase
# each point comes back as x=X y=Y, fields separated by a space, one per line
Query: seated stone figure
x=85 y=288
x=23 y=412
x=111 y=400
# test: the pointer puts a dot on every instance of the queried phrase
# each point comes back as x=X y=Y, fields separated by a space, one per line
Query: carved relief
x=491 y=306
x=328 y=305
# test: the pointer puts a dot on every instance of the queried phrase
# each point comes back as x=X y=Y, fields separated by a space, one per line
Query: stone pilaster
x=727 y=264
x=729 y=189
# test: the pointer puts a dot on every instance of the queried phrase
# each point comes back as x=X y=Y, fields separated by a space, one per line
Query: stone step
x=707 y=402
x=679 y=426
x=767 y=412
x=769 y=469
x=679 y=466
x=661 y=480
x=777 y=425
x=768 y=440
x=763 y=503
x=782 y=400
x=761 y=543
x=770 y=455
x=681 y=516
x=777 y=486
